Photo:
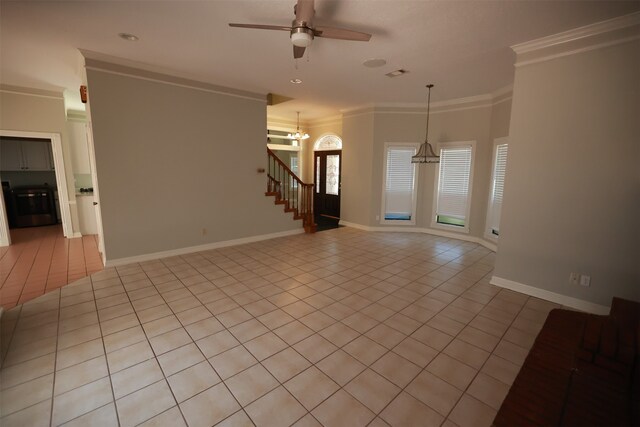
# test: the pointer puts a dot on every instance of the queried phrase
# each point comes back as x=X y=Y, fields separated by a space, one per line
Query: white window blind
x=399 y=183
x=499 y=166
x=453 y=182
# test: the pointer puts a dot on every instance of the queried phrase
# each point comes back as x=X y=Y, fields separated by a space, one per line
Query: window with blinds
x=399 y=185
x=452 y=204
x=499 y=167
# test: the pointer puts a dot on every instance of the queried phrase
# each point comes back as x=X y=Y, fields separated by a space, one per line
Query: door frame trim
x=61 y=183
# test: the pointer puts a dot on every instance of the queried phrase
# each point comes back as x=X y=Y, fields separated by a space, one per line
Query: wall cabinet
x=26 y=155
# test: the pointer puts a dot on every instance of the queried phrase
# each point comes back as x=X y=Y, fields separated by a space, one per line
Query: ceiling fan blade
x=298 y=52
x=261 y=27
x=304 y=11
x=340 y=33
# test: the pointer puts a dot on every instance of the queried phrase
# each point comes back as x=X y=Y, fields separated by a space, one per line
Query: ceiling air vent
x=396 y=73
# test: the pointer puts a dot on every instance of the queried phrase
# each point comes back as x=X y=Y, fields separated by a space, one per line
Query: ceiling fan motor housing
x=301 y=36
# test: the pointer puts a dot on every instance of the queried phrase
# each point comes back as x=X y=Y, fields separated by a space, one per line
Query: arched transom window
x=328 y=142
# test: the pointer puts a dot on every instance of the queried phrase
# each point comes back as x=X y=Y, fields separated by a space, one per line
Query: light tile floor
x=340 y=328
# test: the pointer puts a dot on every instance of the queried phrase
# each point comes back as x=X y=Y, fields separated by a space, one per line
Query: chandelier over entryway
x=298 y=136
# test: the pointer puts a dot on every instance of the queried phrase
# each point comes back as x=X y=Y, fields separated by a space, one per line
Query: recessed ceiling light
x=374 y=62
x=296 y=81
x=129 y=37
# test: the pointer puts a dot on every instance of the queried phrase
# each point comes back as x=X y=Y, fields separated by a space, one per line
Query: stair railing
x=290 y=191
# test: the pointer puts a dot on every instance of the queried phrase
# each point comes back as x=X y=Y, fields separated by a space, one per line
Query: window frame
x=436 y=185
x=416 y=179
x=488 y=232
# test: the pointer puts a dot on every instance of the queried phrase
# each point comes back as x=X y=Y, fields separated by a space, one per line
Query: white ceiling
x=461 y=46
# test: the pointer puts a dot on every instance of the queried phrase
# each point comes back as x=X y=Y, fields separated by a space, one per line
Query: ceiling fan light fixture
x=301 y=38
x=425 y=153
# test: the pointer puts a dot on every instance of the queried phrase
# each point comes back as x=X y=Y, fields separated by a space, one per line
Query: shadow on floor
x=326 y=223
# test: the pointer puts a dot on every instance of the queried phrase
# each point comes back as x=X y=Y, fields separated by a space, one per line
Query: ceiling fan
x=303 y=31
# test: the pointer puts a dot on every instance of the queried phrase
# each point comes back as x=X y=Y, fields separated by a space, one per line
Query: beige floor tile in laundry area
x=180 y=358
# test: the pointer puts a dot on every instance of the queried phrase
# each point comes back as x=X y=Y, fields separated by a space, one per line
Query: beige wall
x=173 y=160
x=21 y=110
x=572 y=188
x=481 y=123
x=357 y=167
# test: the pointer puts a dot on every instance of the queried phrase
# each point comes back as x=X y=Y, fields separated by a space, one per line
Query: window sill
x=402 y=223
x=455 y=229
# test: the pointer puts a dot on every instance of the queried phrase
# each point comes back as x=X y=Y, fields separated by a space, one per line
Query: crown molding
x=325 y=121
x=31 y=91
x=77 y=115
x=579 y=33
x=478 y=101
x=117 y=66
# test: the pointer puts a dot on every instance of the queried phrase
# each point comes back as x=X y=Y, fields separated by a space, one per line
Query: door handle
x=95 y=203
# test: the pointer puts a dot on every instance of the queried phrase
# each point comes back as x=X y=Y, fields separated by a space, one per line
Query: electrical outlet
x=574 y=278
x=585 y=280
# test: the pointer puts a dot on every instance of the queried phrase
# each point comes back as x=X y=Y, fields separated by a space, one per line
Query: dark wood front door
x=327 y=168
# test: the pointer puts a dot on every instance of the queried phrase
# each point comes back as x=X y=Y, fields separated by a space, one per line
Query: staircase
x=290 y=191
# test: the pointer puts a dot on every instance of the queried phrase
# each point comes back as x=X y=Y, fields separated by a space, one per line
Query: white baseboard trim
x=76 y=235
x=191 y=249
x=465 y=237
x=550 y=296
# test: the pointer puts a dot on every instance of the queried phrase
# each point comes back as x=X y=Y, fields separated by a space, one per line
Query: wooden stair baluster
x=289 y=190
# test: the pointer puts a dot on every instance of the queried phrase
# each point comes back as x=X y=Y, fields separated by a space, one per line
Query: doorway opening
x=34 y=183
x=327 y=164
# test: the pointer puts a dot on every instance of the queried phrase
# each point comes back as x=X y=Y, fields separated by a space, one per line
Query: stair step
x=271 y=193
x=280 y=202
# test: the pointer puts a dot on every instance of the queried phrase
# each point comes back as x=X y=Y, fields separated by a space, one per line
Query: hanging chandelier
x=426 y=154
x=298 y=136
